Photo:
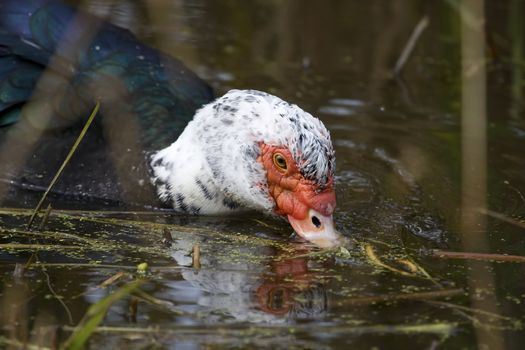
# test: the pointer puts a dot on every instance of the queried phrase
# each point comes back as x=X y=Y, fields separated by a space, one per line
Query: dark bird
x=161 y=138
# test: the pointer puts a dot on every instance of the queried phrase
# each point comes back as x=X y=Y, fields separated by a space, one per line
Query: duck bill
x=316 y=228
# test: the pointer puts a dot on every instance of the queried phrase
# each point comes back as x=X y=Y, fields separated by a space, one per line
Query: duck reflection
x=292 y=289
x=262 y=284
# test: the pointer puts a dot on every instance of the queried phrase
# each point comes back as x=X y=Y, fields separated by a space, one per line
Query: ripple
x=342 y=107
x=426 y=227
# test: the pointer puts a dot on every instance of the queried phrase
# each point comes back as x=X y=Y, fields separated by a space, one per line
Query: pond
x=429 y=182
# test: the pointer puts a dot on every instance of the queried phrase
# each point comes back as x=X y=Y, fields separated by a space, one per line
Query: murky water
x=399 y=189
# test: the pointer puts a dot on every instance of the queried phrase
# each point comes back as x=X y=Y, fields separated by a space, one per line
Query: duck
x=162 y=137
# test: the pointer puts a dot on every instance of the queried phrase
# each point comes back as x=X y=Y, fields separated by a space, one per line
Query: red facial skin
x=293 y=194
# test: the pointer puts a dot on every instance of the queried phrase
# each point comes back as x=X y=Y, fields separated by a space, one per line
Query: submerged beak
x=316 y=228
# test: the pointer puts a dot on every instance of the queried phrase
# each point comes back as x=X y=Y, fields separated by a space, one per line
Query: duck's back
x=54 y=64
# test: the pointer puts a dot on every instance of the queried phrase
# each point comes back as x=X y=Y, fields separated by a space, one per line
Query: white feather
x=218 y=150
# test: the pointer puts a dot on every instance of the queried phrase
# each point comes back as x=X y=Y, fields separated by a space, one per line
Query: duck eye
x=279 y=161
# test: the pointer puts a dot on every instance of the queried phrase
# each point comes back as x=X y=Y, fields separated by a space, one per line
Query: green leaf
x=95 y=314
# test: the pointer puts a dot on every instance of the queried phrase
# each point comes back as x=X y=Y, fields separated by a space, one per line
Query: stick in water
x=66 y=161
x=409 y=47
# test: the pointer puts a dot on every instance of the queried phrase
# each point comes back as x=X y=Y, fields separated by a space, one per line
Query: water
x=399 y=190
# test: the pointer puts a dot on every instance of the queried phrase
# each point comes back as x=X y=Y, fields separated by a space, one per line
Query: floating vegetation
x=288 y=279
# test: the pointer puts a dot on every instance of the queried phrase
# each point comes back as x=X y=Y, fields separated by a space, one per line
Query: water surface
x=399 y=191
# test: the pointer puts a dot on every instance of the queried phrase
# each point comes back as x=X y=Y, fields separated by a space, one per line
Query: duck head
x=251 y=150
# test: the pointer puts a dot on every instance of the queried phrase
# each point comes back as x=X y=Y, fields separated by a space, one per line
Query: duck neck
x=184 y=180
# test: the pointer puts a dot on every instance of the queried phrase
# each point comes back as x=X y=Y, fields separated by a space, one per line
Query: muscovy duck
x=246 y=149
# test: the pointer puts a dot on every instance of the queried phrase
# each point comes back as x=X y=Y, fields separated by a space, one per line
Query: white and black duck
x=161 y=139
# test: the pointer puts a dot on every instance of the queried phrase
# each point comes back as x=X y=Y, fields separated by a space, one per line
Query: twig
x=477 y=256
x=444 y=328
x=512 y=323
x=502 y=217
x=167 y=238
x=98 y=266
x=369 y=250
x=411 y=43
x=133 y=307
x=419 y=269
x=162 y=305
x=66 y=161
x=403 y=297
x=30 y=261
x=63 y=235
x=469 y=309
x=56 y=296
x=40 y=246
x=196 y=256
x=111 y=279
x=260 y=222
x=45 y=218
x=103 y=213
x=108 y=266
